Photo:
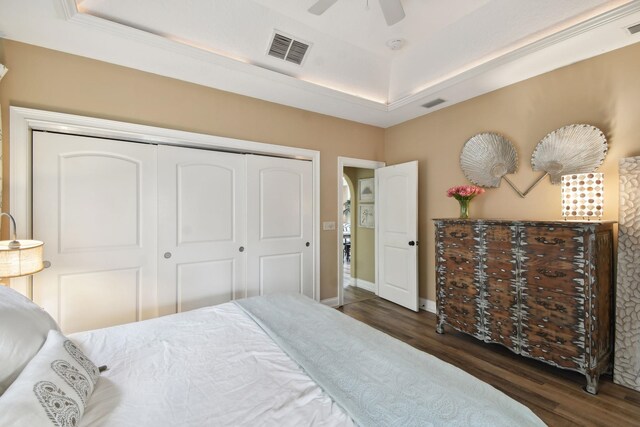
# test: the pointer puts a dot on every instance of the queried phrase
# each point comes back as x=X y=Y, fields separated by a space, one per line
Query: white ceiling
x=453 y=49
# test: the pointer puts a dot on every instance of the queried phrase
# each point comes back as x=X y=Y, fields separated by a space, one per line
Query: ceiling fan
x=391 y=9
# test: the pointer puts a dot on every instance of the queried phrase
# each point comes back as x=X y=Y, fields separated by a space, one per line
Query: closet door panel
x=196 y=202
x=87 y=180
x=95 y=207
x=91 y=300
x=279 y=226
x=195 y=288
x=281 y=273
x=201 y=230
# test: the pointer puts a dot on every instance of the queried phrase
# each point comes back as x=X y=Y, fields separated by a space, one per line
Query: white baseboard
x=427 y=305
x=331 y=302
x=367 y=286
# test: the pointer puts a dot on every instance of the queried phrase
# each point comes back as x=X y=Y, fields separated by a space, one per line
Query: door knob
x=167 y=255
x=46 y=264
x=412 y=243
x=241 y=248
x=307 y=244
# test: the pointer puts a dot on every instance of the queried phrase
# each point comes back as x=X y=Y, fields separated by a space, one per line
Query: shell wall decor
x=572 y=149
x=486 y=158
x=626 y=369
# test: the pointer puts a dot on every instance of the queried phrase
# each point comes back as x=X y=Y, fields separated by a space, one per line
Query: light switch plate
x=329 y=225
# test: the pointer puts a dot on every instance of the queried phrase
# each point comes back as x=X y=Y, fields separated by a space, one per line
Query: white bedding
x=208 y=367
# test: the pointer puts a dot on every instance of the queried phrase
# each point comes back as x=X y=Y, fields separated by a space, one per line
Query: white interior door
x=279 y=226
x=397 y=233
x=201 y=233
x=94 y=206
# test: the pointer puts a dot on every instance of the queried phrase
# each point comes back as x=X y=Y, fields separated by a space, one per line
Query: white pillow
x=23 y=329
x=53 y=389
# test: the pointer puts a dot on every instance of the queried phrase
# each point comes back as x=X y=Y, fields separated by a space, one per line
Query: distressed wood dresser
x=542 y=289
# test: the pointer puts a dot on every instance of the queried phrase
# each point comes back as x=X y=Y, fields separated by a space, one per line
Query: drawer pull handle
x=459 y=285
x=554 y=241
x=458 y=235
x=561 y=308
x=551 y=274
x=457 y=260
x=543 y=303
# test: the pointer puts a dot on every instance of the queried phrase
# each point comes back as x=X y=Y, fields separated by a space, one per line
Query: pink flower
x=464 y=192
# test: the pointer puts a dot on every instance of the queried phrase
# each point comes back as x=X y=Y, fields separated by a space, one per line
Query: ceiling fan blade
x=321 y=6
x=392 y=10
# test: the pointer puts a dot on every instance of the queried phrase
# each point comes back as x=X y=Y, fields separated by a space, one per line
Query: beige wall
x=50 y=80
x=603 y=91
x=362 y=239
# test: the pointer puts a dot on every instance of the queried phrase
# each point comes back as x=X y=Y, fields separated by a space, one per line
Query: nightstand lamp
x=19 y=257
x=583 y=196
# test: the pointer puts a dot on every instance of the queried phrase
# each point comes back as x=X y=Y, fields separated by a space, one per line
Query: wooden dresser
x=542 y=289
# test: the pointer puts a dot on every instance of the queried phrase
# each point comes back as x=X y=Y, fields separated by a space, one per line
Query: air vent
x=634 y=29
x=433 y=103
x=297 y=51
x=288 y=49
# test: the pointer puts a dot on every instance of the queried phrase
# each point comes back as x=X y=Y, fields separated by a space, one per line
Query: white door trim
x=24 y=120
x=355 y=163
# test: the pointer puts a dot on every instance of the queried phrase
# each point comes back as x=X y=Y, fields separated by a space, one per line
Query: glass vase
x=464 y=208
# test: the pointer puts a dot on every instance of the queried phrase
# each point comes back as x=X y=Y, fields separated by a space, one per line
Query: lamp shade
x=583 y=195
x=20 y=257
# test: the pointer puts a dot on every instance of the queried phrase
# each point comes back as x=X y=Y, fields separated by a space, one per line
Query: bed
x=280 y=360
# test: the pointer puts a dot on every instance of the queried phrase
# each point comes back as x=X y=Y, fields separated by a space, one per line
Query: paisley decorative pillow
x=53 y=389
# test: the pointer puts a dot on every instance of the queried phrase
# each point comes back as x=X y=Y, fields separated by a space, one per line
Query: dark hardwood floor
x=353 y=294
x=555 y=395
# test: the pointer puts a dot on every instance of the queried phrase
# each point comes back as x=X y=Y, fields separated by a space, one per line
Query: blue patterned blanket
x=376 y=379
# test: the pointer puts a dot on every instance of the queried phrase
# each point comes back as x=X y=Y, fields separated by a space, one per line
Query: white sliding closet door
x=279 y=225
x=201 y=233
x=94 y=206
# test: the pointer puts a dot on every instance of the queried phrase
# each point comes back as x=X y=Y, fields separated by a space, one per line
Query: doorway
x=359 y=264
x=356 y=230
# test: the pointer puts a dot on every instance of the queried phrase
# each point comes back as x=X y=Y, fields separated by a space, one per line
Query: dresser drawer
x=556 y=312
x=500 y=294
x=459 y=260
x=559 y=276
x=553 y=342
x=499 y=264
x=544 y=238
x=459 y=235
x=540 y=347
x=499 y=238
x=454 y=284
